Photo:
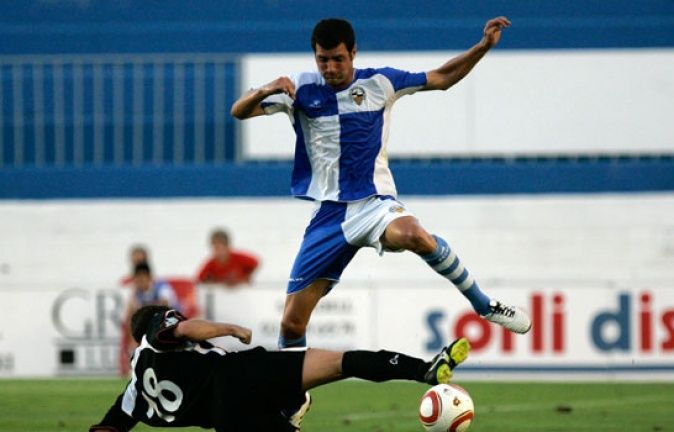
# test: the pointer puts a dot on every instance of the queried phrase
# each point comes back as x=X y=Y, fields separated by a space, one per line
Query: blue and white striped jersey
x=340 y=150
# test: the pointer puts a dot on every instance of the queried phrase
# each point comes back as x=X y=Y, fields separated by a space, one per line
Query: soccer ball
x=446 y=408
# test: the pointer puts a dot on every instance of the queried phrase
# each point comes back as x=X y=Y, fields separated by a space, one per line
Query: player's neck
x=346 y=84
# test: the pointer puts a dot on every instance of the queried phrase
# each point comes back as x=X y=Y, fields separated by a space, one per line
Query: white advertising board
x=583 y=331
x=590 y=331
x=513 y=102
x=59 y=331
x=342 y=320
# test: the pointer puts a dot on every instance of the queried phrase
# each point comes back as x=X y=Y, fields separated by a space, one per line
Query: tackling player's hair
x=142 y=318
x=330 y=32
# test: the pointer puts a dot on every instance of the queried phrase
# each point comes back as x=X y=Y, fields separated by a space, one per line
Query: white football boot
x=510 y=317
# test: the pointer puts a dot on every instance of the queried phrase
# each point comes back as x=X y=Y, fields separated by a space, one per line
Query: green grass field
x=72 y=405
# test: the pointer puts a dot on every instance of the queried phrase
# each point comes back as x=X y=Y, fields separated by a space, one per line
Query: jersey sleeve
x=404 y=82
x=160 y=333
x=115 y=420
x=277 y=103
x=281 y=102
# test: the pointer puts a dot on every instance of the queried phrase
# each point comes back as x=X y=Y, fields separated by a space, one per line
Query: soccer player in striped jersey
x=341 y=115
x=178 y=379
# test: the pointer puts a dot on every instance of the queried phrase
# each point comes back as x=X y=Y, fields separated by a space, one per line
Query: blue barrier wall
x=74 y=26
x=443 y=177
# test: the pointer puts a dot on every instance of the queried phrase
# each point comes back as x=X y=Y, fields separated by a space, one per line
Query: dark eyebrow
x=337 y=57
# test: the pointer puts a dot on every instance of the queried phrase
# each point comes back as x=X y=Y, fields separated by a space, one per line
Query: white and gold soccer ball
x=446 y=408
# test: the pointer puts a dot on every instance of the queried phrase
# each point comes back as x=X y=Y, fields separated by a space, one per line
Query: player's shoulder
x=395 y=79
x=160 y=333
x=301 y=79
x=386 y=71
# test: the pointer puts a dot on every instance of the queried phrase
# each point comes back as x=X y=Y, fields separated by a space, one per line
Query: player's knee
x=292 y=328
x=417 y=240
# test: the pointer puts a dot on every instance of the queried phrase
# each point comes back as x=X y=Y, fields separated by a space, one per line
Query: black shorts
x=253 y=387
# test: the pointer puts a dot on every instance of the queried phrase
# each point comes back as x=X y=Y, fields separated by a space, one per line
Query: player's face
x=335 y=65
x=221 y=251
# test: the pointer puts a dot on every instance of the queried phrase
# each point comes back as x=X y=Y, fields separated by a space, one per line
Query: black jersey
x=172 y=379
x=177 y=383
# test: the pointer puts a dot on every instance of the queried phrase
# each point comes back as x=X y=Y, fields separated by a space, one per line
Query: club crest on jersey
x=358 y=94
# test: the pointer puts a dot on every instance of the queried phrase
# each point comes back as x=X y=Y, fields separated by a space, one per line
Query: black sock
x=383 y=366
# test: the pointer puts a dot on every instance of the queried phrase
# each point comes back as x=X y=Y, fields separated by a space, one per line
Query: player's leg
x=322 y=257
x=297 y=312
x=406 y=233
x=322 y=366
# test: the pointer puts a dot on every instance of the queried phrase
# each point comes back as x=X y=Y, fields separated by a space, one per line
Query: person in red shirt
x=226 y=266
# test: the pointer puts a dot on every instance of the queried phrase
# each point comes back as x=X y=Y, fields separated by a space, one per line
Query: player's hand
x=492 y=30
x=243 y=334
x=280 y=85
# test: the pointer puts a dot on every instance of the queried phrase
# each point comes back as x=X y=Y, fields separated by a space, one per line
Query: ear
x=353 y=51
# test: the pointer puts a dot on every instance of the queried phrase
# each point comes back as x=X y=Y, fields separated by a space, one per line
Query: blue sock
x=300 y=342
x=445 y=262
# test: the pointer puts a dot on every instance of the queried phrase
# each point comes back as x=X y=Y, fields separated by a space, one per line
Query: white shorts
x=366 y=220
x=336 y=232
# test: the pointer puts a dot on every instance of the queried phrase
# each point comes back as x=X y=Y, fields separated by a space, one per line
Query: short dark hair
x=142 y=268
x=330 y=32
x=142 y=318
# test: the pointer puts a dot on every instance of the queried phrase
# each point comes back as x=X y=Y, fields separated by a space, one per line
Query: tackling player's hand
x=243 y=334
x=280 y=85
x=492 y=30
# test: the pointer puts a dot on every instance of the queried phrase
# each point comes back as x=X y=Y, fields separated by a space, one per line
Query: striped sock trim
x=445 y=262
x=439 y=255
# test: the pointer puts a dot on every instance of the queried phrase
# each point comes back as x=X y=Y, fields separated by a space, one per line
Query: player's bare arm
x=455 y=69
x=201 y=330
x=249 y=105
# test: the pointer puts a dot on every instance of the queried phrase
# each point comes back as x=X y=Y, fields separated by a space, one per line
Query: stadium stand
x=137 y=95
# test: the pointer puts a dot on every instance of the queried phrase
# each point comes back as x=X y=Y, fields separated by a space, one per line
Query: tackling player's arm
x=455 y=69
x=250 y=104
x=115 y=420
x=200 y=330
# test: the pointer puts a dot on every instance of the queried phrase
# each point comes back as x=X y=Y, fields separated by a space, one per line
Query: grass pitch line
x=528 y=407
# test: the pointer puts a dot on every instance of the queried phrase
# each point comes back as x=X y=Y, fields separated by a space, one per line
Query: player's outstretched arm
x=249 y=105
x=455 y=69
x=115 y=420
x=200 y=330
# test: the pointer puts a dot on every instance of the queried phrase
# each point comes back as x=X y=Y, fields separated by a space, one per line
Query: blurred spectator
x=226 y=266
x=137 y=254
x=146 y=291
